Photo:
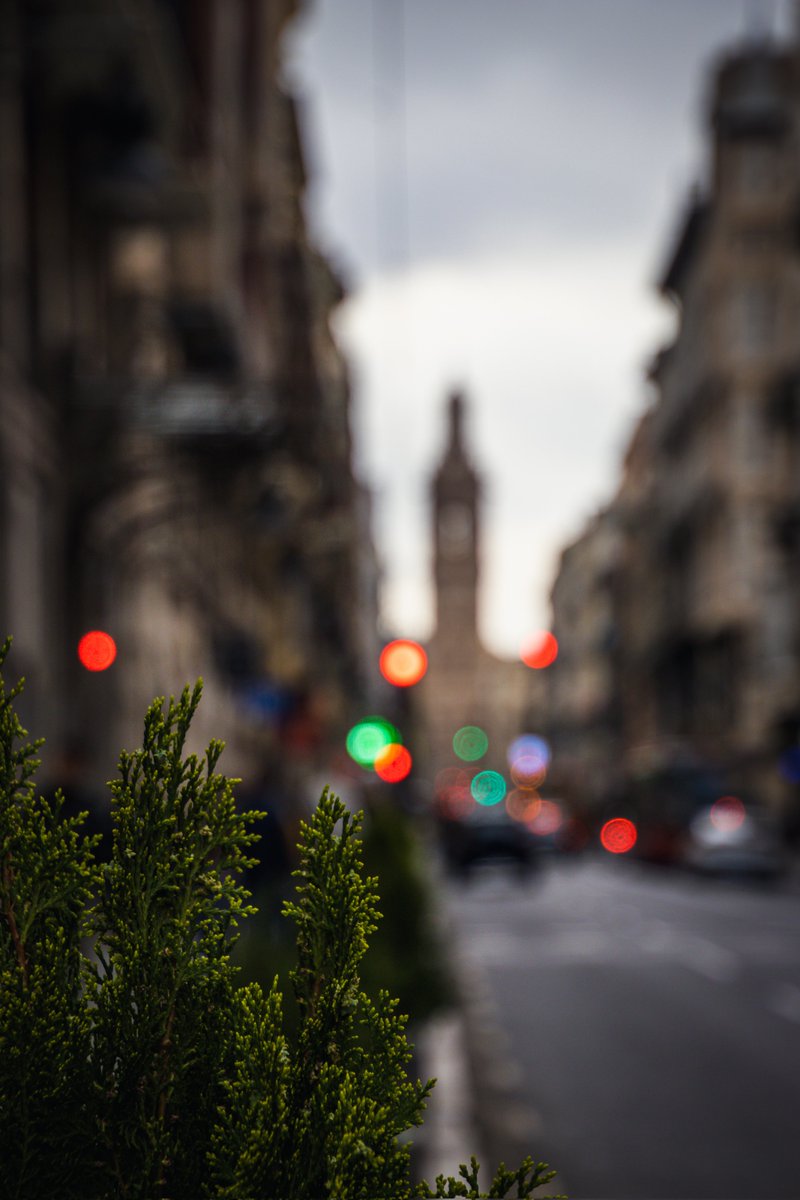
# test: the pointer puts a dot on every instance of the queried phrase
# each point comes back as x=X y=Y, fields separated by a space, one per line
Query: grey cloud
x=497 y=118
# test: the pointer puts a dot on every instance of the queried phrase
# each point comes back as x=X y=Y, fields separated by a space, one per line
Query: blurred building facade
x=677 y=610
x=175 y=455
x=465 y=684
x=582 y=709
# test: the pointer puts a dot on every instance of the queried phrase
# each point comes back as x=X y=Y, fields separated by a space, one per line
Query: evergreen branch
x=8 y=907
x=164 y=1049
x=143 y=1071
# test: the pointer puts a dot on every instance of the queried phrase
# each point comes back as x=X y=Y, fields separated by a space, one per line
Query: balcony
x=196 y=410
x=687 y=502
x=192 y=412
x=681 y=410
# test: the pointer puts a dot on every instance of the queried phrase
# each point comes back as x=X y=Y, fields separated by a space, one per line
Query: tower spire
x=455 y=495
x=456 y=418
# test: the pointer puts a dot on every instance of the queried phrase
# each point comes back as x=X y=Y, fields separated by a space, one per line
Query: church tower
x=456 y=493
x=465 y=685
x=451 y=691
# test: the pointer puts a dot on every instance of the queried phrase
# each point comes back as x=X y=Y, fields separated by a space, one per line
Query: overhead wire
x=390 y=149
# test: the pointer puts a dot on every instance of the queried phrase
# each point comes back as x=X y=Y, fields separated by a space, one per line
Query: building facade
x=175 y=455
x=706 y=638
x=583 y=716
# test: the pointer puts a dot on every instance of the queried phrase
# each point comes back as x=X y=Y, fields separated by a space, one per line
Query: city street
x=640 y=1031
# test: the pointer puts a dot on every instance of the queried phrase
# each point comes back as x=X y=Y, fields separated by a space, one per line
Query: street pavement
x=638 y=1030
x=450 y=1133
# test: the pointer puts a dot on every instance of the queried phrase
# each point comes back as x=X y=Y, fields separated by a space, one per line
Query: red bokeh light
x=393 y=763
x=727 y=814
x=97 y=650
x=547 y=820
x=403 y=662
x=450 y=777
x=618 y=835
x=540 y=650
x=453 y=797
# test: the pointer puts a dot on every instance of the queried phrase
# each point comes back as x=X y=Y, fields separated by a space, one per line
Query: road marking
x=495 y=948
x=501 y=949
x=707 y=958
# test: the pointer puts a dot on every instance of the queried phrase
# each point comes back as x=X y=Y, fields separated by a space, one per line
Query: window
x=748 y=435
x=758 y=170
x=754 y=318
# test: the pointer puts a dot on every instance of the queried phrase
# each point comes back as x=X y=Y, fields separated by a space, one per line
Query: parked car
x=488 y=834
x=731 y=840
x=663 y=801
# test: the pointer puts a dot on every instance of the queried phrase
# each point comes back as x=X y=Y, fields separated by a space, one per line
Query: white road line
x=705 y=957
x=497 y=948
x=708 y=958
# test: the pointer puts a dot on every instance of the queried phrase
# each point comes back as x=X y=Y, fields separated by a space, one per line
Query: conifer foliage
x=131 y=1063
x=47 y=877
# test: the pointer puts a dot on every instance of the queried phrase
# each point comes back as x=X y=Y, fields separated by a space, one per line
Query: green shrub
x=406 y=954
x=131 y=1063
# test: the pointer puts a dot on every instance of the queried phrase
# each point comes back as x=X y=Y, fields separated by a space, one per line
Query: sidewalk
x=476 y=1107
x=450 y=1134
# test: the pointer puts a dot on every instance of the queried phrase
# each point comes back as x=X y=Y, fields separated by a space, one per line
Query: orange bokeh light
x=528 y=771
x=393 y=763
x=540 y=650
x=618 y=835
x=523 y=806
x=403 y=662
x=97 y=650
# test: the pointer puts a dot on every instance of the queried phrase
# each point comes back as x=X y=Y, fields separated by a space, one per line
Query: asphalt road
x=640 y=1031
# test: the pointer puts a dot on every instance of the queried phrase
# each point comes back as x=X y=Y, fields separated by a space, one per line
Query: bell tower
x=456 y=492
x=466 y=685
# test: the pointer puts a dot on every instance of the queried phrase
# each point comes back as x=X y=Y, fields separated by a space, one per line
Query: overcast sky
x=500 y=182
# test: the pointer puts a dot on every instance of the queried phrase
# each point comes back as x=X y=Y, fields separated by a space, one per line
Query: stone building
x=706 y=626
x=465 y=684
x=175 y=447
x=582 y=716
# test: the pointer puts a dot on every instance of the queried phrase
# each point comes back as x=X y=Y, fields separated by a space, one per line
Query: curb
x=509 y=1127
x=477 y=1107
x=450 y=1134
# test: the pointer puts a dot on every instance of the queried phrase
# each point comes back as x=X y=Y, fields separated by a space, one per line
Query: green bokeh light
x=366 y=739
x=488 y=787
x=470 y=743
